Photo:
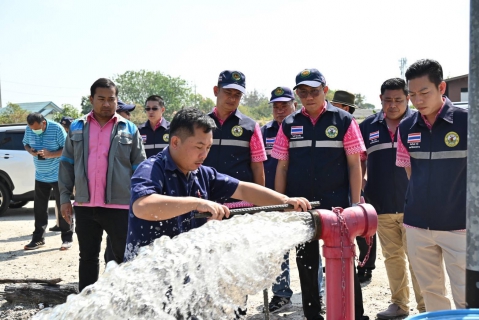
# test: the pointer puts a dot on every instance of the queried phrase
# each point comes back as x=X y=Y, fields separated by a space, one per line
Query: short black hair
x=425 y=67
x=155 y=97
x=394 y=84
x=35 y=117
x=187 y=119
x=103 y=83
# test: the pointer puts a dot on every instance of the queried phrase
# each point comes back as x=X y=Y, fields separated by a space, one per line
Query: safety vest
x=318 y=168
x=269 y=132
x=154 y=141
x=436 y=196
x=230 y=153
x=386 y=183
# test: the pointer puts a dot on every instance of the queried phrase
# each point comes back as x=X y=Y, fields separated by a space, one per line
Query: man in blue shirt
x=44 y=140
x=167 y=189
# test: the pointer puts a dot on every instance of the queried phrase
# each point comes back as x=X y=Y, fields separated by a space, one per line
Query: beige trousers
x=392 y=237
x=429 y=250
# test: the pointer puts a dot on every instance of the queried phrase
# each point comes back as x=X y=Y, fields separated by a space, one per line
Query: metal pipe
x=472 y=204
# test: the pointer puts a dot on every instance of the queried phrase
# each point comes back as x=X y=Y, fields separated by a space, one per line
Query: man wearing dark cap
x=318 y=150
x=66 y=122
x=155 y=131
x=124 y=109
x=238 y=148
x=344 y=100
x=282 y=99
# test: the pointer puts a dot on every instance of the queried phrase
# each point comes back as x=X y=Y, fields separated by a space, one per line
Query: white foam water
x=205 y=273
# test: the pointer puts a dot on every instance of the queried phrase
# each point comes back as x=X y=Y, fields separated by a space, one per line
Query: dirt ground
x=16 y=227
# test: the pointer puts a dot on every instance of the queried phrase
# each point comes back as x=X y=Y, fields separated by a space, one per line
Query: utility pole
x=402 y=67
x=472 y=202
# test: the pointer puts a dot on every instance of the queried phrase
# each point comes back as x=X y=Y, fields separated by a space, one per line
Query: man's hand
x=45 y=154
x=218 y=211
x=300 y=204
x=33 y=152
x=67 y=210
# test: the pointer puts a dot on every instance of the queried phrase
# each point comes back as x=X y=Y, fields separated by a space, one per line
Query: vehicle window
x=11 y=140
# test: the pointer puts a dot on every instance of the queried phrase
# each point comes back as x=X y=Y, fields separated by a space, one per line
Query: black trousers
x=363 y=250
x=40 y=210
x=307 y=260
x=91 y=222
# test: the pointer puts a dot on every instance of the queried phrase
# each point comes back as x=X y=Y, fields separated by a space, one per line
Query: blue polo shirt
x=159 y=174
x=52 y=139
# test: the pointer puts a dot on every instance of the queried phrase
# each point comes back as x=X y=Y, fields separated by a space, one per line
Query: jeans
x=281 y=287
x=40 y=210
x=91 y=222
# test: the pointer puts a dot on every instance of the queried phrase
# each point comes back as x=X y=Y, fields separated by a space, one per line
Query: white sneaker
x=66 y=245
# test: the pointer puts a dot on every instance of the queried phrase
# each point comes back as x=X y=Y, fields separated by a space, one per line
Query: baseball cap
x=124 y=107
x=229 y=79
x=281 y=94
x=310 y=77
x=66 y=121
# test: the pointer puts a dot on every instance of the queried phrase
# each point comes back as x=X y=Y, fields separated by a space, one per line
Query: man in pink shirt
x=101 y=152
x=318 y=150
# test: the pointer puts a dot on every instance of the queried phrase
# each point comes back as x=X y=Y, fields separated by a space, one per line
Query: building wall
x=454 y=88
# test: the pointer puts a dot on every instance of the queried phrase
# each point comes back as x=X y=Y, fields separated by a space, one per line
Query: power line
x=39 y=85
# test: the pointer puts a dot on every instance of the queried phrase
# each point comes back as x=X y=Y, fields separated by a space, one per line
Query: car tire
x=4 y=198
x=17 y=204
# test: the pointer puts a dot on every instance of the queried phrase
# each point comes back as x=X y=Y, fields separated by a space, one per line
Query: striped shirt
x=52 y=139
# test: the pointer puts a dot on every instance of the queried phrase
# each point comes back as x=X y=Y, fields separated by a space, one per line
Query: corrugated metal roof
x=38 y=106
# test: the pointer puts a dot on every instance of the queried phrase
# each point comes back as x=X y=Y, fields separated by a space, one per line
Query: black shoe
x=55 y=228
x=279 y=304
x=34 y=245
x=365 y=276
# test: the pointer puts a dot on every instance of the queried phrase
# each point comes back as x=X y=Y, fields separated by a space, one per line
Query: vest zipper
x=394 y=169
x=429 y=171
x=313 y=145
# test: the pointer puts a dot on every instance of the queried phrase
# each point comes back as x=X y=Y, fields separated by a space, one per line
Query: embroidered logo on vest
x=451 y=139
x=237 y=131
x=166 y=137
x=331 y=132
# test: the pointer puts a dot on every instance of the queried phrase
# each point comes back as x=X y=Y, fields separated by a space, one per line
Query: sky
x=53 y=50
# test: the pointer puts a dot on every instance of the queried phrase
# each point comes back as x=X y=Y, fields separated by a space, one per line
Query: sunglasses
x=303 y=94
x=154 y=109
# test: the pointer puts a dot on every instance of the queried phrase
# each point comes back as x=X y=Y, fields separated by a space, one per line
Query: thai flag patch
x=414 y=138
x=143 y=137
x=374 y=135
x=295 y=130
x=270 y=140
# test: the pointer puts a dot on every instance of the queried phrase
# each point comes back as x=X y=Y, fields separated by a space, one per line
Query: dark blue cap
x=66 y=121
x=232 y=80
x=310 y=77
x=124 y=107
x=281 y=94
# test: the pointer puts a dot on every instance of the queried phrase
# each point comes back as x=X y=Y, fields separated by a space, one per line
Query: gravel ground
x=48 y=262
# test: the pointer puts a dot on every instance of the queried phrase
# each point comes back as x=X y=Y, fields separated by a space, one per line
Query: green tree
x=359 y=100
x=254 y=99
x=368 y=106
x=68 y=111
x=200 y=102
x=86 y=105
x=330 y=94
x=12 y=113
x=136 y=86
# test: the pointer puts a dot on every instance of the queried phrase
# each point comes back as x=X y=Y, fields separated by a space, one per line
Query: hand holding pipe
x=278 y=207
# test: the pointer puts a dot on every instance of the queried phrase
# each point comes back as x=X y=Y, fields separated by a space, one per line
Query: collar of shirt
x=158 y=124
x=221 y=121
x=273 y=123
x=170 y=165
x=429 y=125
x=91 y=118
x=313 y=121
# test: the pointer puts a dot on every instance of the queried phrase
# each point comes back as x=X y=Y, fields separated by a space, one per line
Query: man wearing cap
x=284 y=104
x=154 y=132
x=385 y=189
x=318 y=150
x=124 y=109
x=66 y=122
x=345 y=100
x=238 y=148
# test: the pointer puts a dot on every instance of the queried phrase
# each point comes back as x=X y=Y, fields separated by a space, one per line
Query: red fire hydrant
x=338 y=229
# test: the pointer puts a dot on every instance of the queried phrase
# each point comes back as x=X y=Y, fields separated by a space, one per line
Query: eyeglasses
x=303 y=94
x=154 y=109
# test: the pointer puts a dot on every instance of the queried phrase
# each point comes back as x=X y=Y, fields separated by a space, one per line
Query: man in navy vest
x=433 y=150
x=284 y=104
x=318 y=149
x=385 y=189
x=238 y=148
x=154 y=132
